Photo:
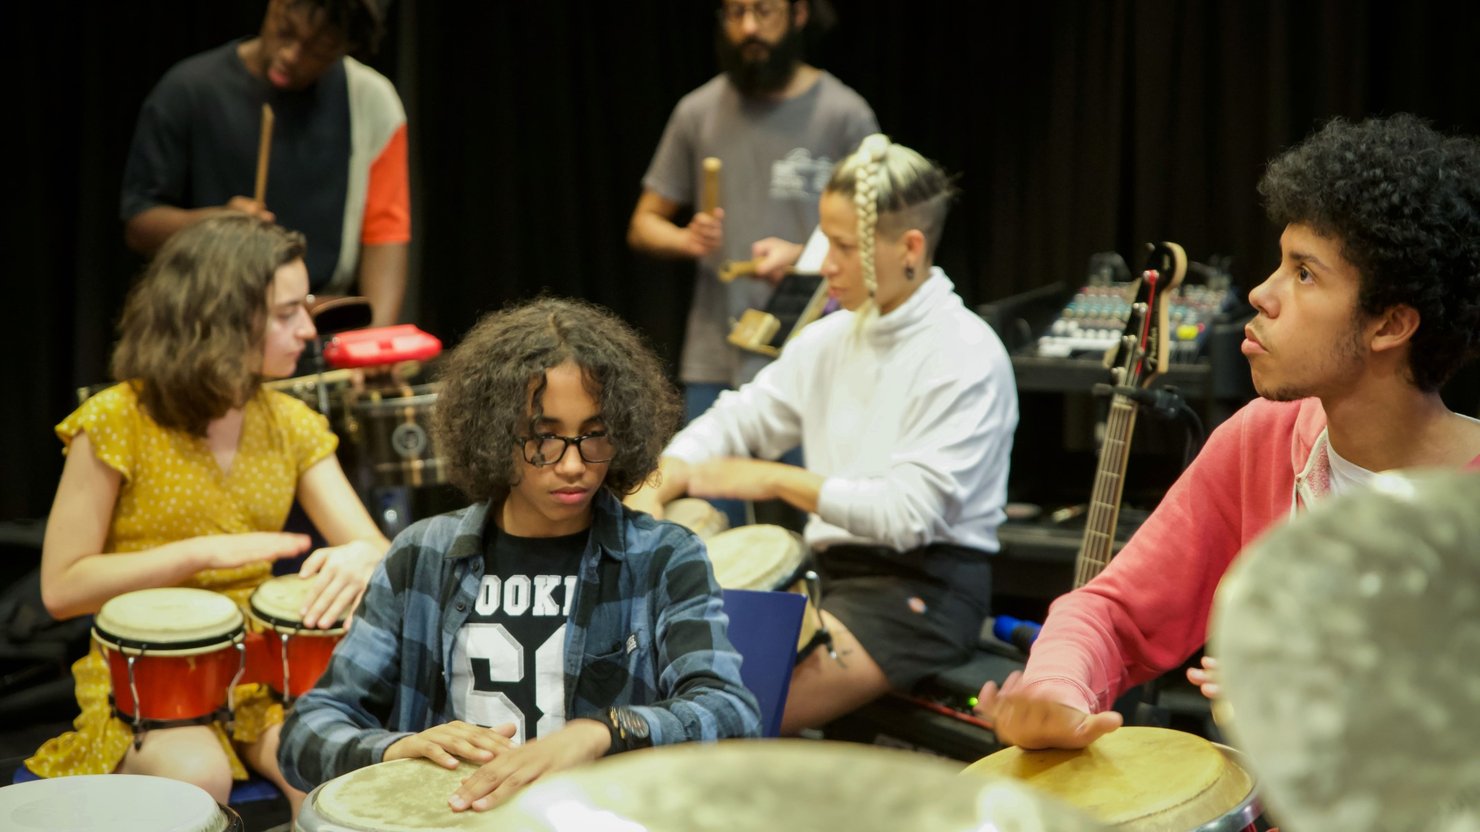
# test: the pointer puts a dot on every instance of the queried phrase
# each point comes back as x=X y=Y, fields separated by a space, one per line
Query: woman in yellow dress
x=183 y=475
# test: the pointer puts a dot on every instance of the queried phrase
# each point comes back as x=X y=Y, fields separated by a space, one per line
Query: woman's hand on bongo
x=1205 y=677
x=228 y=551
x=580 y=741
x=450 y=742
x=342 y=573
x=1022 y=719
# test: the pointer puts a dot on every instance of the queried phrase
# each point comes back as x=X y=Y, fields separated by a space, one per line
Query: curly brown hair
x=190 y=338
x=1403 y=200
x=491 y=385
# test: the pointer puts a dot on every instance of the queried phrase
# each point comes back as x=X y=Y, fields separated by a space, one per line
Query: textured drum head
x=399 y=796
x=171 y=615
x=769 y=785
x=756 y=557
x=1134 y=778
x=1349 y=650
x=698 y=516
x=109 y=803
x=278 y=600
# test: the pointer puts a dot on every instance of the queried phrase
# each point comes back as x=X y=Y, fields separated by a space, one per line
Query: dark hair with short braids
x=1403 y=201
x=360 y=22
x=492 y=381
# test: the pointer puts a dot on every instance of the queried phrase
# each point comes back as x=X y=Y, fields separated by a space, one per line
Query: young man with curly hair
x=1374 y=305
x=547 y=624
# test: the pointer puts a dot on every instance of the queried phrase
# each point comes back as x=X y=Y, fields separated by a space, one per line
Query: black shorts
x=916 y=613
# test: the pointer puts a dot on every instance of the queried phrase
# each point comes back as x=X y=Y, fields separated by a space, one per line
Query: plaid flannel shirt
x=647 y=631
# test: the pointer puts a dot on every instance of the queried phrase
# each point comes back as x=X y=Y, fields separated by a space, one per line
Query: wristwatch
x=629 y=729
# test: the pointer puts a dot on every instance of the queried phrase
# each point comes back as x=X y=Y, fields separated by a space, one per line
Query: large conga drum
x=173 y=654
x=1140 y=780
x=293 y=656
x=780 y=784
x=113 y=803
x=398 y=796
x=698 y=516
x=392 y=429
x=768 y=558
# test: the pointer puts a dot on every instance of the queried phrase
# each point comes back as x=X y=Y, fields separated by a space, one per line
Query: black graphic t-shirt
x=508 y=660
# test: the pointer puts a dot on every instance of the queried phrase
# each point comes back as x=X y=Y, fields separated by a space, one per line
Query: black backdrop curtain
x=1076 y=126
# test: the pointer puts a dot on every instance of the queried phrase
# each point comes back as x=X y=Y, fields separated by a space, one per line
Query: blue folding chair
x=764 y=627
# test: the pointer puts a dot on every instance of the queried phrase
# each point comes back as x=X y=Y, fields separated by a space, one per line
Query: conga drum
x=698 y=516
x=393 y=432
x=293 y=656
x=1141 y=780
x=768 y=558
x=780 y=784
x=173 y=654
x=398 y=796
x=113 y=802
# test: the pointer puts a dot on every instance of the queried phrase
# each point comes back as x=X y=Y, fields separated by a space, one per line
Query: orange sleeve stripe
x=388 y=195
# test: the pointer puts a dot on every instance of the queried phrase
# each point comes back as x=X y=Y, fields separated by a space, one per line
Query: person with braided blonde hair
x=906 y=404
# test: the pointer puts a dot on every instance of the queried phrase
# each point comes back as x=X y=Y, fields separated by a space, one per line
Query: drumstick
x=709 y=199
x=731 y=269
x=264 y=149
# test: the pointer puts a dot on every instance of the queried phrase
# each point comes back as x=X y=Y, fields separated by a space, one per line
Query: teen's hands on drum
x=450 y=742
x=1028 y=721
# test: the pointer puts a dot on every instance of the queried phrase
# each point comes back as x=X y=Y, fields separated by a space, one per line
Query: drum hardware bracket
x=824 y=638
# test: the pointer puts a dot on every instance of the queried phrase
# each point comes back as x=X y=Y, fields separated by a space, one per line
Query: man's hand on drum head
x=450 y=742
x=580 y=741
x=1022 y=719
x=704 y=234
x=342 y=573
x=228 y=551
x=1205 y=677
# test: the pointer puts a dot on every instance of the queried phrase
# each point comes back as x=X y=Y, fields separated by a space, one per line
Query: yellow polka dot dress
x=173 y=488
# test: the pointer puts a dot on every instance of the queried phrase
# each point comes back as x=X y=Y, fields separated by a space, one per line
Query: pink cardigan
x=1148 y=611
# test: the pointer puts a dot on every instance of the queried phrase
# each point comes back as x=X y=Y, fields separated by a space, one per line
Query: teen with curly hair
x=183 y=475
x=547 y=624
x=1375 y=303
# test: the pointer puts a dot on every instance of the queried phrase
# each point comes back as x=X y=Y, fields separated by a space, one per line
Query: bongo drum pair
x=1141 y=780
x=109 y=802
x=175 y=654
x=771 y=558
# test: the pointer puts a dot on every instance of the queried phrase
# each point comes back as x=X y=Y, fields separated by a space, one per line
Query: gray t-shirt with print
x=777 y=156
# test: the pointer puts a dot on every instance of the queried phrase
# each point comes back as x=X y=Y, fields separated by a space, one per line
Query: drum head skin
x=698 y=516
x=769 y=785
x=1348 y=643
x=1134 y=778
x=277 y=603
x=756 y=557
x=170 y=615
x=109 y=803
x=399 y=796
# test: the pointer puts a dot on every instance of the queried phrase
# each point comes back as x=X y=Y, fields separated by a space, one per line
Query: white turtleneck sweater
x=910 y=422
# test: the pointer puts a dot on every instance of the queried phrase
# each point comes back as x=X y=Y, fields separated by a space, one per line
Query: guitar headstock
x=1141 y=354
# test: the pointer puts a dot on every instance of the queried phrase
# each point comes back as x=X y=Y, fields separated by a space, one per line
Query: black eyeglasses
x=549 y=448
